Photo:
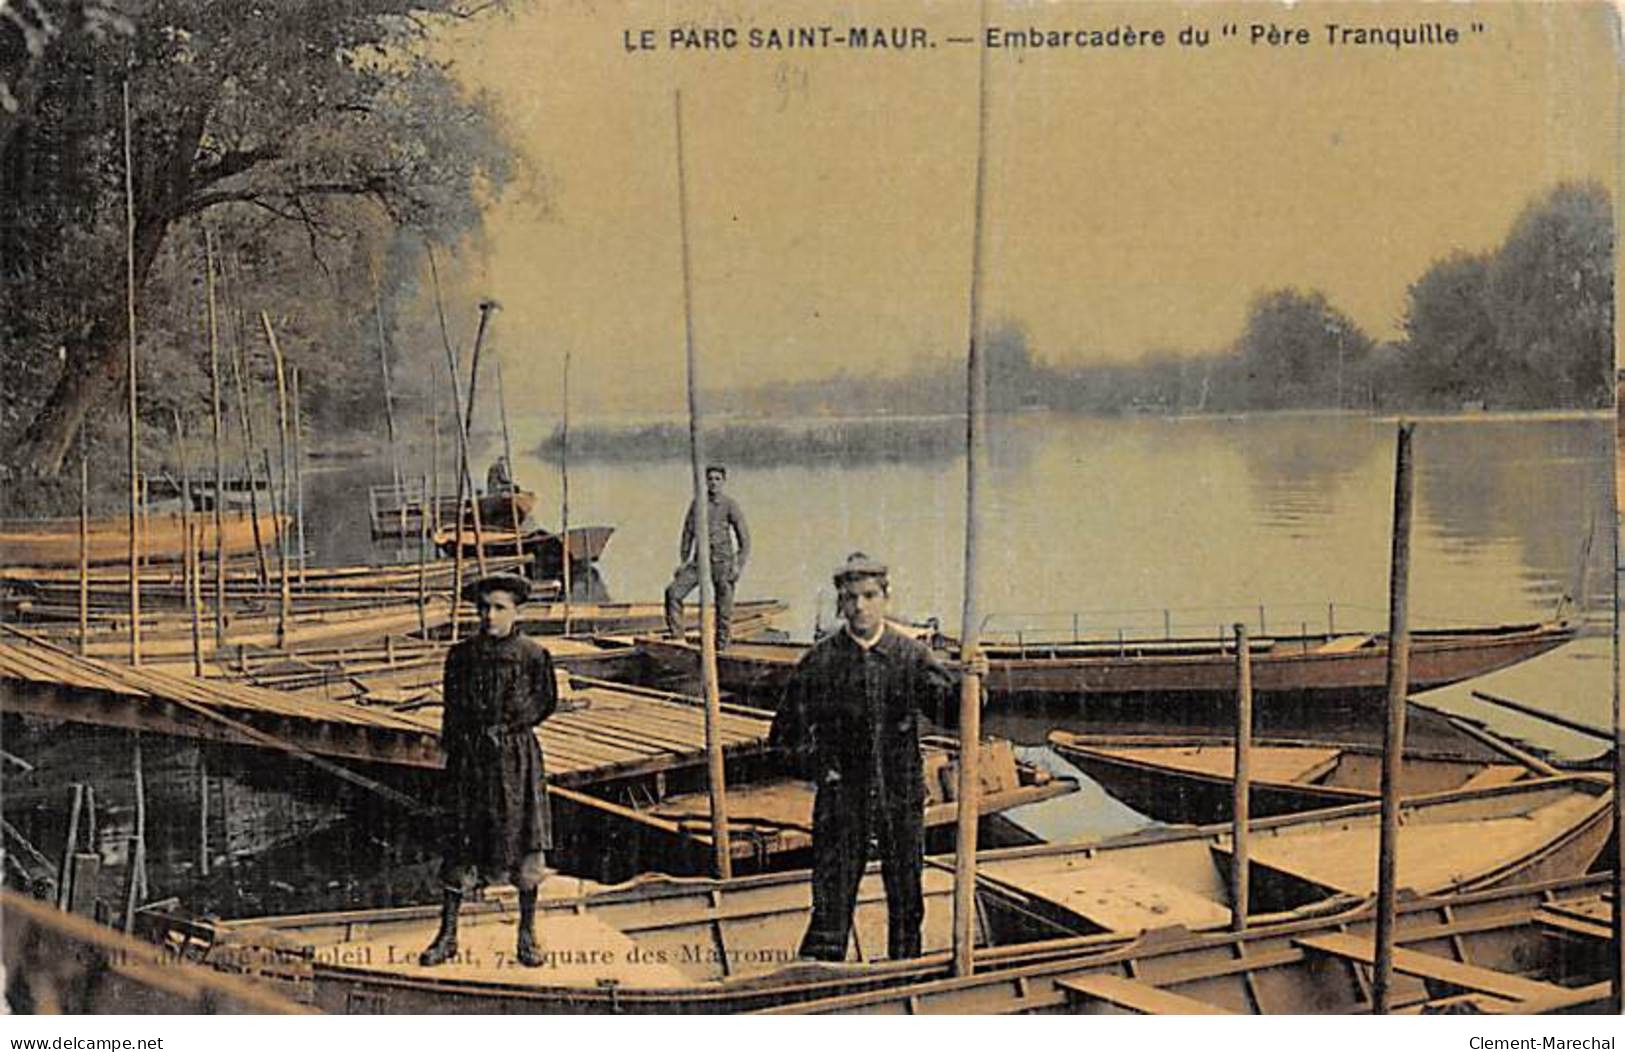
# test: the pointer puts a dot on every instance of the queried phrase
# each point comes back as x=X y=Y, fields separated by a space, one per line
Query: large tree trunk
x=97 y=366
x=97 y=363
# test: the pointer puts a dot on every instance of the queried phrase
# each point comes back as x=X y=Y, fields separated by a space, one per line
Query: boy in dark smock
x=850 y=721
x=498 y=686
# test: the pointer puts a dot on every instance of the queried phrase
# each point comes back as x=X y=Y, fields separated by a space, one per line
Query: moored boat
x=1527 y=949
x=1188 y=779
x=1173 y=674
x=55 y=542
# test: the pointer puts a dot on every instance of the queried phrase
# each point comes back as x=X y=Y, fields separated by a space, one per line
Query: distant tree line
x=1528 y=325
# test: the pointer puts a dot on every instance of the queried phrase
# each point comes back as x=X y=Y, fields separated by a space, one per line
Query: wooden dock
x=601 y=732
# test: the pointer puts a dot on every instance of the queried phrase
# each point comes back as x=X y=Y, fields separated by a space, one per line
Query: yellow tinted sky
x=1136 y=198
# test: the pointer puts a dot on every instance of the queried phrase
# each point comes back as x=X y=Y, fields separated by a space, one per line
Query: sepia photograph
x=945 y=507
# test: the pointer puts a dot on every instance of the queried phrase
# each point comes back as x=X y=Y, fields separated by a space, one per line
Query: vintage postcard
x=707 y=507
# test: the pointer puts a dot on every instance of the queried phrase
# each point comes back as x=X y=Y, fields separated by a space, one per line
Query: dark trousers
x=843 y=828
x=685 y=580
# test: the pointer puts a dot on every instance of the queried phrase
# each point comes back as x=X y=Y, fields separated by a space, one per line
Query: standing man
x=850 y=722
x=726 y=522
x=498 y=686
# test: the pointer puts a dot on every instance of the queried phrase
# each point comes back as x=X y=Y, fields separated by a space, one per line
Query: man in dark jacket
x=498 y=686
x=725 y=522
x=850 y=722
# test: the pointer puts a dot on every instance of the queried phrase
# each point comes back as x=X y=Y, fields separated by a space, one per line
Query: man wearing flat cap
x=849 y=721
x=498 y=686
x=725 y=522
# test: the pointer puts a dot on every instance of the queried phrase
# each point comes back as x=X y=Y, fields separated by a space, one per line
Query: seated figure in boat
x=498 y=687
x=849 y=721
x=499 y=479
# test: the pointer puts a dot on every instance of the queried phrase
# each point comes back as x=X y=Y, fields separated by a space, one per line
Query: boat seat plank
x=1136 y=996
x=1573 y=925
x=1495 y=774
x=1114 y=897
x=1344 y=644
x=1427 y=966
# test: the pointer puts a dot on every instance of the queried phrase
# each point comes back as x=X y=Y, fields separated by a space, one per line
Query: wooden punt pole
x=721 y=851
x=1241 y=811
x=135 y=424
x=462 y=446
x=1618 y=913
x=194 y=598
x=970 y=696
x=245 y=421
x=423 y=560
x=299 y=479
x=487 y=308
x=84 y=545
x=1393 y=737
x=507 y=451
x=284 y=594
x=434 y=454
x=389 y=398
x=191 y=568
x=219 y=460
x=564 y=498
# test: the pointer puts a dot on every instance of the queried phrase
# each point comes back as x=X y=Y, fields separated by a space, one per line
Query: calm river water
x=1143 y=522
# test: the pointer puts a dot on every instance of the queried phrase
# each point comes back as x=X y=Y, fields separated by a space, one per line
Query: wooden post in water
x=245 y=421
x=219 y=461
x=564 y=499
x=1240 y=805
x=194 y=598
x=1393 y=737
x=135 y=424
x=970 y=696
x=299 y=479
x=84 y=546
x=202 y=812
x=282 y=444
x=722 y=852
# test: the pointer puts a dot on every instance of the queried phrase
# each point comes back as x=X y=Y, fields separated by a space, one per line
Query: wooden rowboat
x=1185 y=779
x=60 y=963
x=399 y=512
x=1174 y=673
x=55 y=542
x=1527 y=949
x=1448 y=842
x=665 y=945
x=586 y=544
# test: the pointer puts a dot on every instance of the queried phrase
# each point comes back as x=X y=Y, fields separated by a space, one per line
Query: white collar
x=867 y=644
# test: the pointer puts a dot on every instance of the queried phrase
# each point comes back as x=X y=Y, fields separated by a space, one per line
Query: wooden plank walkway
x=600 y=731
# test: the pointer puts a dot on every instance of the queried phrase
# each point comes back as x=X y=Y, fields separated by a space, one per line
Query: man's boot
x=529 y=955
x=444 y=947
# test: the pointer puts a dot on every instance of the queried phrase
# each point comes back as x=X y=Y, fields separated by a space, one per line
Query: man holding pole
x=498 y=686
x=850 y=722
x=725 y=522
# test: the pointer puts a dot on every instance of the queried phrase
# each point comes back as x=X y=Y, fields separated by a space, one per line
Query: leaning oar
x=1590 y=730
